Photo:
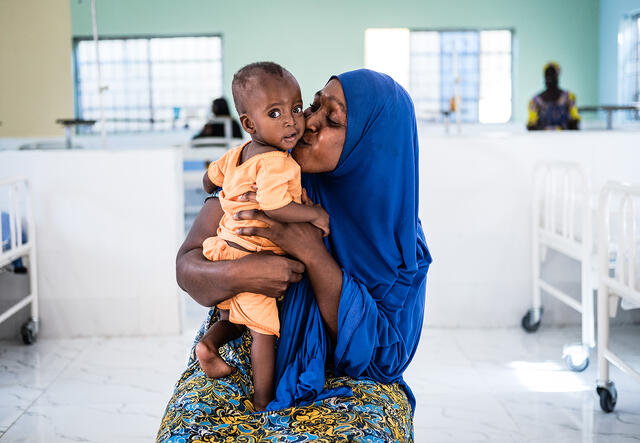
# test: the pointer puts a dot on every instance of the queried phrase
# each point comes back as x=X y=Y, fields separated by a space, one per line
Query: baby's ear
x=247 y=124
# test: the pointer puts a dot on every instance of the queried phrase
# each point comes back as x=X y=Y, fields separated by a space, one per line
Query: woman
x=358 y=312
x=553 y=108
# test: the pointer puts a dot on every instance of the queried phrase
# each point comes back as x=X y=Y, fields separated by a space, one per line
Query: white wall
x=475 y=206
x=108 y=227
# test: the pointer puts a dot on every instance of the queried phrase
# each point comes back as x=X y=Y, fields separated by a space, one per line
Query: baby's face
x=276 y=110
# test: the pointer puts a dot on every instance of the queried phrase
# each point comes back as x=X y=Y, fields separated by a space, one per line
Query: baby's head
x=269 y=103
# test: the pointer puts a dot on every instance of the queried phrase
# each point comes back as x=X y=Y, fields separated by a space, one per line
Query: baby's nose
x=289 y=120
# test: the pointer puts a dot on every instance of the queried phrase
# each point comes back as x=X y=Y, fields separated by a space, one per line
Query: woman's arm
x=209 y=282
x=304 y=242
x=375 y=339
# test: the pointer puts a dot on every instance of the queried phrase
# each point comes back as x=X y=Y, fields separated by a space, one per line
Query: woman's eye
x=274 y=114
x=297 y=109
x=332 y=123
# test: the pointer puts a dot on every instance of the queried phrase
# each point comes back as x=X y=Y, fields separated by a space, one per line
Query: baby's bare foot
x=259 y=405
x=211 y=363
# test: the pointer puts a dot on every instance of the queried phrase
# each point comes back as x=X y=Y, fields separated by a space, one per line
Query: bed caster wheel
x=527 y=323
x=29 y=332
x=608 y=396
x=576 y=357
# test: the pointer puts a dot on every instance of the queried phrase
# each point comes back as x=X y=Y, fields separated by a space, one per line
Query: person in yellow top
x=268 y=100
x=553 y=108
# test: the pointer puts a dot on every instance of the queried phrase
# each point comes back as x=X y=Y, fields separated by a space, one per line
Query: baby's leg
x=217 y=335
x=263 y=358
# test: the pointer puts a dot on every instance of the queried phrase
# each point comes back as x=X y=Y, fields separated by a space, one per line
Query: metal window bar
x=122 y=115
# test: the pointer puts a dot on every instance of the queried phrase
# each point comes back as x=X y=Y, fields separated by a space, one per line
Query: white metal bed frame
x=622 y=284
x=561 y=197
x=19 y=191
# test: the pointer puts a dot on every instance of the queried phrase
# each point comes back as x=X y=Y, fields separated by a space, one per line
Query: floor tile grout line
x=44 y=391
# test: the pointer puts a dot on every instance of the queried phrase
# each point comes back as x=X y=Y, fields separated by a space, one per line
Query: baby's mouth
x=291 y=137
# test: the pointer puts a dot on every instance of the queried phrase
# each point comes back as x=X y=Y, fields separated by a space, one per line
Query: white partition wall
x=475 y=207
x=108 y=225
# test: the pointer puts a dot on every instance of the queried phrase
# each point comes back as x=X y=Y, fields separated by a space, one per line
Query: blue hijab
x=376 y=238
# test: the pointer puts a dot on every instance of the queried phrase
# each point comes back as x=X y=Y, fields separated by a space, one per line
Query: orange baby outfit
x=277 y=177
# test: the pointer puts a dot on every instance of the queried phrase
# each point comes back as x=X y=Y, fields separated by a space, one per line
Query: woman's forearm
x=326 y=279
x=207 y=282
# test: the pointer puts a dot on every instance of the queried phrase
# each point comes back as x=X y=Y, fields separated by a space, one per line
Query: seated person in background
x=553 y=108
x=268 y=100
x=219 y=108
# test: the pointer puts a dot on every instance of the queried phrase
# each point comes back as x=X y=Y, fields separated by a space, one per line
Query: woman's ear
x=247 y=124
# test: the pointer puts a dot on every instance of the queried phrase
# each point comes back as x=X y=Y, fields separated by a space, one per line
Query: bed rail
x=562 y=221
x=15 y=201
x=619 y=284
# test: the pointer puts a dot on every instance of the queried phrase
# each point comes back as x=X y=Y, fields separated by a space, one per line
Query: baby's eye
x=274 y=114
x=297 y=109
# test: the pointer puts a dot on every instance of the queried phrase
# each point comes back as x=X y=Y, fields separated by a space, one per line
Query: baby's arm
x=298 y=213
x=208 y=185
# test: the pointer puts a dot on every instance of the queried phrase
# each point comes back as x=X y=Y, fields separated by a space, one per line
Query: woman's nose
x=311 y=122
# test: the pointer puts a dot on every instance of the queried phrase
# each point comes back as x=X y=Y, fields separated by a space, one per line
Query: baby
x=268 y=100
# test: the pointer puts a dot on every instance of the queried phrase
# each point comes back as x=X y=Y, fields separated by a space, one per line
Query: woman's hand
x=210 y=282
x=304 y=242
x=266 y=273
x=299 y=240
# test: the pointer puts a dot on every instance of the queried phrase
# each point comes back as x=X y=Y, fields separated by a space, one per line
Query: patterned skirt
x=207 y=410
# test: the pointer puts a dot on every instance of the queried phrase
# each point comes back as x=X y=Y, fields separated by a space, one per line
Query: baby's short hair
x=244 y=75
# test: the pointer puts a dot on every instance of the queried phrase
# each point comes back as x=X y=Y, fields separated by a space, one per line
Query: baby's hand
x=322 y=220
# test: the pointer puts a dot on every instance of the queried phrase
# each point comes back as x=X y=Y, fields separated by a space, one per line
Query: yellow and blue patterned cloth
x=207 y=410
x=553 y=115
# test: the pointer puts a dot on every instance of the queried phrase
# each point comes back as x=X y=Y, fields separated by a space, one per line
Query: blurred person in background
x=219 y=109
x=553 y=108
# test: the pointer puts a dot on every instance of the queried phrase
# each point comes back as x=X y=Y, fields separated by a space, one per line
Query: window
x=152 y=83
x=482 y=60
x=629 y=40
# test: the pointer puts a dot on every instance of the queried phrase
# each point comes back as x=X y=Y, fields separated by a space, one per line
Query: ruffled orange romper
x=277 y=177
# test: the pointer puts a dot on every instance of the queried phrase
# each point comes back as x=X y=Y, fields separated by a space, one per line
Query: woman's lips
x=304 y=141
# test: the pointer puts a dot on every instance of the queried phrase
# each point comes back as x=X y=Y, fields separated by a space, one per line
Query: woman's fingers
x=296 y=266
x=305 y=198
x=253 y=214
x=254 y=230
x=248 y=197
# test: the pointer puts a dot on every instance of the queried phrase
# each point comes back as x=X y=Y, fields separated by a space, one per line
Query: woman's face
x=320 y=147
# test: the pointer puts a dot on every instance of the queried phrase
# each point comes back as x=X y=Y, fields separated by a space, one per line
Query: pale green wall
x=314 y=39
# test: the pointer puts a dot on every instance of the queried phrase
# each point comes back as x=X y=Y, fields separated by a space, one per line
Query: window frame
x=635 y=20
x=81 y=38
x=479 y=30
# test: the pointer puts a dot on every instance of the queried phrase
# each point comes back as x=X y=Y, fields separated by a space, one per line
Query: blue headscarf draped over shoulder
x=376 y=238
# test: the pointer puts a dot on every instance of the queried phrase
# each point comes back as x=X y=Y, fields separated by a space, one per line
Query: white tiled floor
x=472 y=386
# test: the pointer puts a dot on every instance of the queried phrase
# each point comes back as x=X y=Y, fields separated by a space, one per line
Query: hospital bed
x=617 y=242
x=562 y=217
x=19 y=243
